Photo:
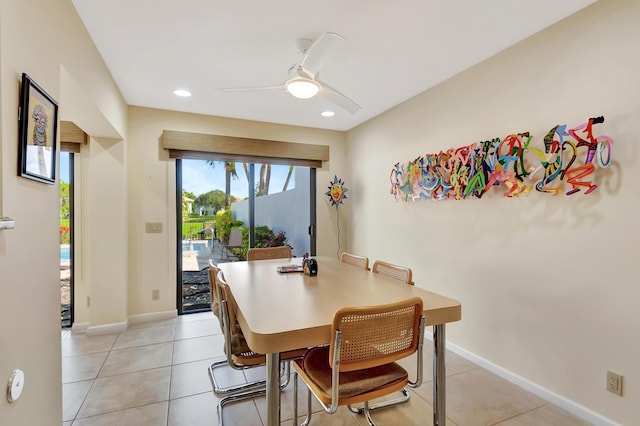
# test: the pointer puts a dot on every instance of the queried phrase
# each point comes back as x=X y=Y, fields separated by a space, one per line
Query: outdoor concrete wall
x=547 y=284
x=287 y=211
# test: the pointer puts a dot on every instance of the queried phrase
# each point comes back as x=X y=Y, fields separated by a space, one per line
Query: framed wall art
x=38 y=118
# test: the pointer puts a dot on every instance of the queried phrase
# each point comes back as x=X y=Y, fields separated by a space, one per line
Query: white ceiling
x=393 y=49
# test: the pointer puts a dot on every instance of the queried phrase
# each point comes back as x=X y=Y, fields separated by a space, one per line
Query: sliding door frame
x=251 y=224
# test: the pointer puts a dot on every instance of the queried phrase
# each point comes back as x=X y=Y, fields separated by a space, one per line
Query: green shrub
x=224 y=223
x=263 y=236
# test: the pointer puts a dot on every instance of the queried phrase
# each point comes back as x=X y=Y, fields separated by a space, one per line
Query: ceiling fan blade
x=315 y=55
x=338 y=98
x=278 y=88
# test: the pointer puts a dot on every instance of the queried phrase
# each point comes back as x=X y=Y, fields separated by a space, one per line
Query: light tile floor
x=156 y=374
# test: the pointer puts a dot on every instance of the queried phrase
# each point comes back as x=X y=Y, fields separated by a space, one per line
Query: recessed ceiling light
x=328 y=113
x=182 y=92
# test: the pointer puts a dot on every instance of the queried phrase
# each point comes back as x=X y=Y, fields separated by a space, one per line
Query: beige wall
x=548 y=285
x=151 y=183
x=45 y=39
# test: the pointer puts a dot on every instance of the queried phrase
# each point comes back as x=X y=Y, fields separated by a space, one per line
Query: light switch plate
x=153 y=227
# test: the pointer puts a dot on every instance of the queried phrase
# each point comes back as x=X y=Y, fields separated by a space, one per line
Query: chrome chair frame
x=335 y=371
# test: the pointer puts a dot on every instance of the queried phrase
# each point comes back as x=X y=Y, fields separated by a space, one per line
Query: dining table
x=278 y=312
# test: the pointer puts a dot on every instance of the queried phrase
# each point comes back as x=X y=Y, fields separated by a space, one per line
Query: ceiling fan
x=303 y=81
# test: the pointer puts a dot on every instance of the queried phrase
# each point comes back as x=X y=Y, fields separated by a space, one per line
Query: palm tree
x=229 y=172
x=286 y=182
x=265 y=178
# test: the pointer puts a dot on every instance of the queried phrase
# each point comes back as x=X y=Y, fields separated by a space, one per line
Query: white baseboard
x=153 y=316
x=116 y=327
x=119 y=327
x=80 y=327
x=571 y=406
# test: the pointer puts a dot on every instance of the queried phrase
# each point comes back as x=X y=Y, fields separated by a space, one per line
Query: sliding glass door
x=66 y=239
x=266 y=204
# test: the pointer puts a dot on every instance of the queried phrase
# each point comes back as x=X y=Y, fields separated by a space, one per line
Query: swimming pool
x=65 y=253
x=200 y=247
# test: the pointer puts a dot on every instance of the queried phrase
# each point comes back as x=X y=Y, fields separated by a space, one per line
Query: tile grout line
x=93 y=382
x=520 y=414
x=173 y=348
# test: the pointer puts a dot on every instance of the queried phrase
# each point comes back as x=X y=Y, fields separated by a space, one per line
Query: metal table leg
x=439 y=376
x=273 y=389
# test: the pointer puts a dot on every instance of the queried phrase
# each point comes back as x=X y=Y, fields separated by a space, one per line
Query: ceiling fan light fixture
x=303 y=88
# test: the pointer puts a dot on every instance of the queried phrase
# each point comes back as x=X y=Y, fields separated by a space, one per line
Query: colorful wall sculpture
x=565 y=164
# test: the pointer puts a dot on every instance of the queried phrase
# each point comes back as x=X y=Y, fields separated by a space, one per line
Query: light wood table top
x=279 y=312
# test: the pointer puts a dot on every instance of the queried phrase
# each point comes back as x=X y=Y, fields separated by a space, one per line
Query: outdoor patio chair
x=359 y=364
x=235 y=241
x=281 y=252
x=355 y=260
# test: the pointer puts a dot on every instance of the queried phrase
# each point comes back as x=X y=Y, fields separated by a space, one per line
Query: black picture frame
x=38 y=130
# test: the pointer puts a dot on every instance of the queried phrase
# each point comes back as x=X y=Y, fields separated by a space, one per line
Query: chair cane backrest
x=214 y=291
x=355 y=260
x=397 y=272
x=230 y=305
x=376 y=335
x=280 y=252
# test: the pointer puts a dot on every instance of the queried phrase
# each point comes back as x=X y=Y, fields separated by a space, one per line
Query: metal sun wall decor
x=564 y=165
x=337 y=192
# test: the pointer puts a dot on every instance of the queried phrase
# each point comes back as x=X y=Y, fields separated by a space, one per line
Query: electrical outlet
x=155 y=294
x=614 y=383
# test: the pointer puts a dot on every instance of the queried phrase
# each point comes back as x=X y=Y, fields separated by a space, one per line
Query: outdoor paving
x=198 y=258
